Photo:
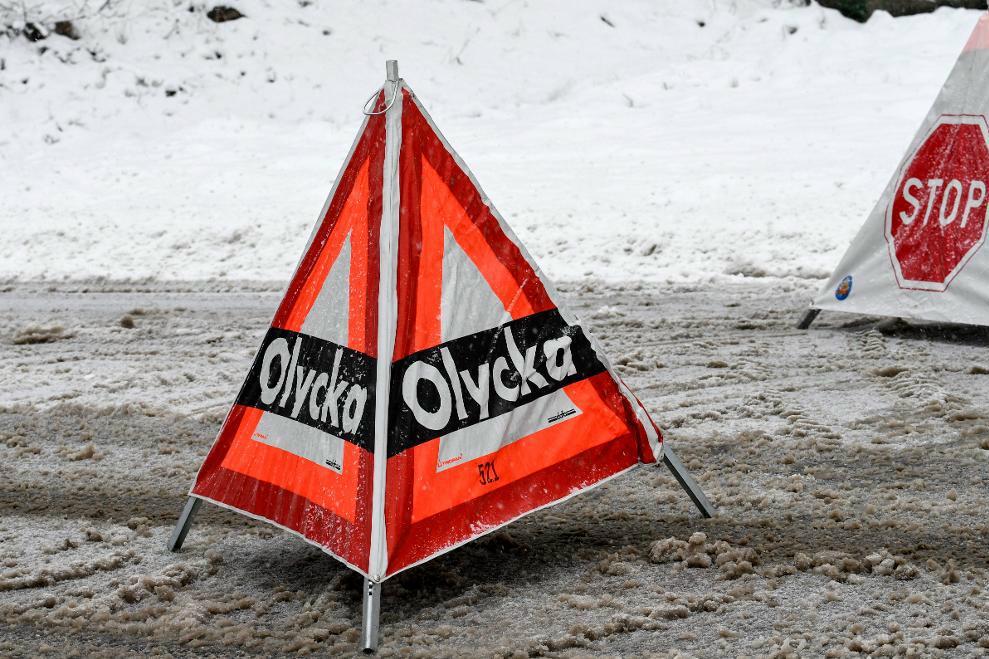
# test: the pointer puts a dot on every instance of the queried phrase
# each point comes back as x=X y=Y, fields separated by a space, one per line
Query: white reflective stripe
x=329 y=318
x=463 y=281
x=322 y=448
x=492 y=434
x=387 y=323
x=641 y=415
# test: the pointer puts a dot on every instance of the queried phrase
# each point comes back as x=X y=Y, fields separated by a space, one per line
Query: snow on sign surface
x=495 y=401
x=921 y=251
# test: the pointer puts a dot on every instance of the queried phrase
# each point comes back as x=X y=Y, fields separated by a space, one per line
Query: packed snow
x=658 y=141
x=688 y=171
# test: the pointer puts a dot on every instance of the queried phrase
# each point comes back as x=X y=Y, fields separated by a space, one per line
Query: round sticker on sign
x=936 y=220
x=844 y=288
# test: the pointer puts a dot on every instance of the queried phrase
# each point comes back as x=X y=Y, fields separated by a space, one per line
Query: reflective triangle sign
x=296 y=447
x=419 y=385
x=920 y=253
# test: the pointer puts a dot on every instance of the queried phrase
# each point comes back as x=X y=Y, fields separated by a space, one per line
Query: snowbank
x=641 y=140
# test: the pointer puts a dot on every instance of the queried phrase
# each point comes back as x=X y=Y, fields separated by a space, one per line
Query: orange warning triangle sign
x=419 y=386
x=499 y=402
x=295 y=448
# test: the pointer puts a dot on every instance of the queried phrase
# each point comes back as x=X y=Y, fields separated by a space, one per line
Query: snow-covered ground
x=655 y=140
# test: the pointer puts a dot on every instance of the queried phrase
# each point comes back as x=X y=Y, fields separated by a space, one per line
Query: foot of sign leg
x=687 y=482
x=371 y=609
x=184 y=524
x=808 y=318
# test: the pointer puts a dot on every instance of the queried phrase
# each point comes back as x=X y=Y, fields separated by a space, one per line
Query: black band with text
x=315 y=382
x=465 y=381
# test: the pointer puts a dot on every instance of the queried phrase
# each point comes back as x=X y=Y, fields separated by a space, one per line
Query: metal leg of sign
x=808 y=318
x=185 y=522
x=687 y=482
x=371 y=610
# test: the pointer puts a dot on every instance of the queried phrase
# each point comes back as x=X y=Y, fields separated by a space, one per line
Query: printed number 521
x=486 y=472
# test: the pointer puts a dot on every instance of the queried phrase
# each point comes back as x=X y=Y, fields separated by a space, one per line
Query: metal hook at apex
x=391 y=70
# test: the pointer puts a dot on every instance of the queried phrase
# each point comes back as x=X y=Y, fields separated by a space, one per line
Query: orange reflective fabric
x=328 y=508
x=330 y=490
x=438 y=491
x=439 y=205
x=322 y=486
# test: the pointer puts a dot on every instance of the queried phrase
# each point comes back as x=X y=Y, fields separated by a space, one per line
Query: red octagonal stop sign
x=937 y=218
